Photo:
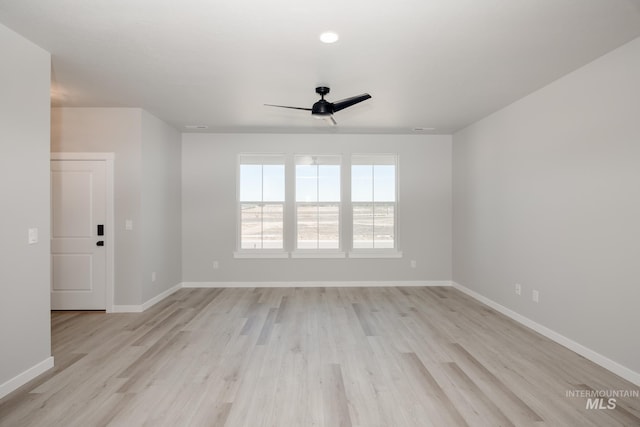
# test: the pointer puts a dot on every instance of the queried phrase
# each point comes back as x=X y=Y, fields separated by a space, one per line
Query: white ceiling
x=427 y=63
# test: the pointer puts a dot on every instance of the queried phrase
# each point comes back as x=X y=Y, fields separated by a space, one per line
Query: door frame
x=108 y=159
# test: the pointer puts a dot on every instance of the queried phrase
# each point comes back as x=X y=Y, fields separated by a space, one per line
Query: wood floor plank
x=374 y=357
x=486 y=411
x=335 y=398
x=512 y=403
x=267 y=326
x=448 y=413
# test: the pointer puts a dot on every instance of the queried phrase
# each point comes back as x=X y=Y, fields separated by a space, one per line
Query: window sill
x=317 y=254
x=382 y=253
x=310 y=254
x=260 y=254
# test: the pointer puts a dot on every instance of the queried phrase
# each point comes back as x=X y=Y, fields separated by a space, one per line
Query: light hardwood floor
x=311 y=357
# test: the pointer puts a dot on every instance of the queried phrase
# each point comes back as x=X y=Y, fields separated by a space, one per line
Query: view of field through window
x=373 y=225
x=262 y=202
x=262 y=226
x=373 y=195
x=318 y=204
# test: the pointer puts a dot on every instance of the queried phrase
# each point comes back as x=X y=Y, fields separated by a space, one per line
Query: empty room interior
x=337 y=213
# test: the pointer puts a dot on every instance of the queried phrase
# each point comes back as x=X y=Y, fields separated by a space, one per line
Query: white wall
x=117 y=130
x=209 y=170
x=147 y=191
x=25 y=343
x=161 y=209
x=547 y=194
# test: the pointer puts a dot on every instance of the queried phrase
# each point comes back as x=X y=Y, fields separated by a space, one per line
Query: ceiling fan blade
x=286 y=106
x=348 y=102
x=333 y=120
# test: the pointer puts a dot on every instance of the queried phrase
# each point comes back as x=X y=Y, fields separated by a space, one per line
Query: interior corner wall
x=25 y=341
x=117 y=130
x=209 y=215
x=547 y=195
x=161 y=207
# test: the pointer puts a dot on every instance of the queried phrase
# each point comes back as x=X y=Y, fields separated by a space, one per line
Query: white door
x=78 y=215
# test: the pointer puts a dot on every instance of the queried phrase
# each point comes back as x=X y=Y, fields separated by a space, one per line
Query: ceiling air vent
x=196 y=127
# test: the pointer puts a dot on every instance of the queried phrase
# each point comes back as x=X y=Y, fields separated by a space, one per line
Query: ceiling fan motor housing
x=322 y=108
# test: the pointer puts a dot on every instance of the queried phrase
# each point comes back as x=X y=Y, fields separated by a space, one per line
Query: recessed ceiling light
x=329 y=37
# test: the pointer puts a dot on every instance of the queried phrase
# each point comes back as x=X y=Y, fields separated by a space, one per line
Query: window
x=373 y=200
x=290 y=205
x=317 y=202
x=261 y=202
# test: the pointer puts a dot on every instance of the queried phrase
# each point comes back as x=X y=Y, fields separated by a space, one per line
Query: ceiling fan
x=324 y=109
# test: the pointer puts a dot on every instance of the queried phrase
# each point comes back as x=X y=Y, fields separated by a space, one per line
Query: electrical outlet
x=216 y=265
x=518 y=289
x=535 y=296
x=413 y=263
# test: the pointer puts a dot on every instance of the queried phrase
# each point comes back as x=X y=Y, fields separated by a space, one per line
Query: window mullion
x=261 y=225
x=317 y=206
x=373 y=206
x=261 y=206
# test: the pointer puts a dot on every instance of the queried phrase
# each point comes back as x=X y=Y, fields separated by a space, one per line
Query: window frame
x=345 y=209
x=260 y=252
x=393 y=252
x=318 y=252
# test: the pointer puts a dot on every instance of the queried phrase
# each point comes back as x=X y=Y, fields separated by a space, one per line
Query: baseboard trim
x=153 y=301
x=127 y=309
x=332 y=284
x=26 y=376
x=148 y=304
x=595 y=357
